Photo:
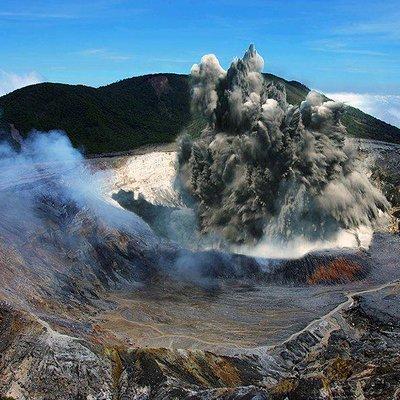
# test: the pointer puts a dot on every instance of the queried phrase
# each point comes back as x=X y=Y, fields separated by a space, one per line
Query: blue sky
x=334 y=46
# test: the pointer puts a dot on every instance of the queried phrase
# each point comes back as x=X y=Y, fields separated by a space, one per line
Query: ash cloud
x=263 y=167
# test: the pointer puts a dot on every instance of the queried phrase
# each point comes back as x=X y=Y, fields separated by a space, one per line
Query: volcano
x=95 y=303
x=135 y=277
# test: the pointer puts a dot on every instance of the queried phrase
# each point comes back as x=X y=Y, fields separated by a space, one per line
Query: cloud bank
x=10 y=81
x=384 y=107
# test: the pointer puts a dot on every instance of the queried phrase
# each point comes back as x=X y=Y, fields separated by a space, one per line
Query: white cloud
x=384 y=107
x=387 y=28
x=92 y=52
x=342 y=47
x=29 y=15
x=105 y=54
x=10 y=81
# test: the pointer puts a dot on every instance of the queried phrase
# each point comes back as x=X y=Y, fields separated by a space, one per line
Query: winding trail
x=325 y=318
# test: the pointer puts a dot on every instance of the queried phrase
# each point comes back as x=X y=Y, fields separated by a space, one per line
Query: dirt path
x=330 y=315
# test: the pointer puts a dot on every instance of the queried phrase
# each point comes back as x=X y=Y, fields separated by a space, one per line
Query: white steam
x=10 y=81
x=48 y=166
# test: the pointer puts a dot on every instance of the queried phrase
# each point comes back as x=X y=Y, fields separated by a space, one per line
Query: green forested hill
x=137 y=111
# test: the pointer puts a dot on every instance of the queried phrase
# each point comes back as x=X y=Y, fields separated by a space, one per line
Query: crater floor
x=236 y=318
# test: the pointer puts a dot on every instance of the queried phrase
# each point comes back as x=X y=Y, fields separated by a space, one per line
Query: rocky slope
x=352 y=352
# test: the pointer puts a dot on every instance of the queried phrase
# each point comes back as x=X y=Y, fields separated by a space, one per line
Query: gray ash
x=265 y=167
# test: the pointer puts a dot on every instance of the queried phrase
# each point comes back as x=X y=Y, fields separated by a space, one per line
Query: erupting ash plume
x=265 y=167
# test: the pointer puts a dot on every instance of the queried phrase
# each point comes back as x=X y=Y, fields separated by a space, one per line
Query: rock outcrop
x=353 y=352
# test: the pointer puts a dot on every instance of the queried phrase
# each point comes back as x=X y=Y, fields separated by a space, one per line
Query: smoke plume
x=47 y=166
x=265 y=167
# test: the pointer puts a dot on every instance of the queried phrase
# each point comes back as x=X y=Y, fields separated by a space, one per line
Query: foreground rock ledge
x=351 y=353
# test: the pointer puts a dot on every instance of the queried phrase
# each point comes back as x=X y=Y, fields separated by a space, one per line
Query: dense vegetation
x=138 y=111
